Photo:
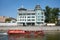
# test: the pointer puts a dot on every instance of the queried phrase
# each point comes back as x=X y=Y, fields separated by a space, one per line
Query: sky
x=9 y=7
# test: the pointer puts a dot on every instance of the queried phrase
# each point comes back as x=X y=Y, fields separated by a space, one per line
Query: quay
x=27 y=31
x=30 y=28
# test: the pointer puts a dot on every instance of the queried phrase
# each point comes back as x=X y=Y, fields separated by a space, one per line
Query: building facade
x=58 y=22
x=31 y=17
x=5 y=19
x=2 y=19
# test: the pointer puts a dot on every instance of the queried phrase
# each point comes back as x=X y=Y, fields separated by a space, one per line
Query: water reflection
x=55 y=36
x=26 y=37
x=3 y=37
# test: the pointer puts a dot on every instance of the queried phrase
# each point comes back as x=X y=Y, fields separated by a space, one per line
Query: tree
x=47 y=13
x=55 y=12
x=7 y=20
x=51 y=14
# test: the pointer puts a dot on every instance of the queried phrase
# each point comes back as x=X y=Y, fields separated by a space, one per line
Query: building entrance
x=30 y=24
x=24 y=24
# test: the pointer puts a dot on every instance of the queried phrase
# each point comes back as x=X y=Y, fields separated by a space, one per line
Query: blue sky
x=9 y=7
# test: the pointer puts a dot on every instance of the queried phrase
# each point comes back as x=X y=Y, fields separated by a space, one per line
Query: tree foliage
x=7 y=20
x=51 y=14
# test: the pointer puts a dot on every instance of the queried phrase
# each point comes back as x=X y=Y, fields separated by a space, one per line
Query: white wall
x=8 y=24
x=50 y=24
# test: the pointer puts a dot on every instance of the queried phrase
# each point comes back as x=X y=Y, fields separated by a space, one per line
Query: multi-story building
x=2 y=19
x=58 y=22
x=30 y=17
x=5 y=19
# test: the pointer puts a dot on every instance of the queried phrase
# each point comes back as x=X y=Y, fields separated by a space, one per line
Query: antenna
x=37 y=2
x=22 y=4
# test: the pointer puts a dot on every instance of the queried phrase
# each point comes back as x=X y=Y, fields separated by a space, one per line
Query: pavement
x=30 y=28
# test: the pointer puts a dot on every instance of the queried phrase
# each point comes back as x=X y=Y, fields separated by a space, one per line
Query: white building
x=58 y=23
x=30 y=17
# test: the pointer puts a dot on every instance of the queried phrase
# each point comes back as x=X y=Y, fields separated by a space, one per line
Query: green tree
x=47 y=13
x=7 y=20
x=51 y=14
x=55 y=12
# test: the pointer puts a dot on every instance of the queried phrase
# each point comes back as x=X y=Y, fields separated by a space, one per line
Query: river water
x=46 y=37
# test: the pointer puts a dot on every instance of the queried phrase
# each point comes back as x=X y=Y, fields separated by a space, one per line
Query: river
x=55 y=36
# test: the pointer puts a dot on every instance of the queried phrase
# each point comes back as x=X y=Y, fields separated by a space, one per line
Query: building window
x=29 y=20
x=25 y=16
x=41 y=19
x=20 y=14
x=21 y=19
x=33 y=19
x=41 y=16
x=33 y=13
x=38 y=19
x=38 y=16
x=38 y=13
x=25 y=19
x=39 y=22
x=28 y=14
x=24 y=13
x=19 y=23
x=42 y=13
x=33 y=16
x=13 y=21
x=29 y=17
